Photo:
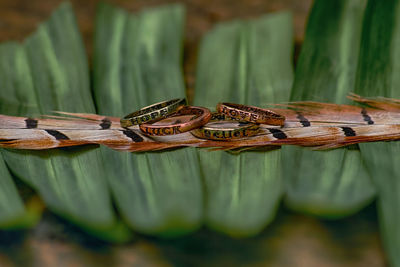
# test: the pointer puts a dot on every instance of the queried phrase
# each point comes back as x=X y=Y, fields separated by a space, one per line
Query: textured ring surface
x=153 y=112
x=200 y=117
x=244 y=129
x=251 y=114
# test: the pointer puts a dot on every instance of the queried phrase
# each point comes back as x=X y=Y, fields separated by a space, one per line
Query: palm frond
x=13 y=213
x=328 y=183
x=52 y=73
x=378 y=68
x=137 y=63
x=244 y=62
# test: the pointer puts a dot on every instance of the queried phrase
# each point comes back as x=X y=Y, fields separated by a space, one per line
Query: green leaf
x=329 y=183
x=54 y=75
x=137 y=63
x=13 y=213
x=11 y=205
x=244 y=62
x=378 y=75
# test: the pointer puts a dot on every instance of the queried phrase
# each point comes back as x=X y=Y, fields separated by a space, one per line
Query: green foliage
x=137 y=63
x=378 y=75
x=244 y=62
x=51 y=73
x=328 y=183
x=13 y=64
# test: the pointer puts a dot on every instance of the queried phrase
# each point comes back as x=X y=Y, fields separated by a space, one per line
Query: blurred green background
x=291 y=240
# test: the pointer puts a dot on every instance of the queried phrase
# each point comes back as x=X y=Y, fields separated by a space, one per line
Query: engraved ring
x=251 y=114
x=200 y=117
x=244 y=129
x=153 y=112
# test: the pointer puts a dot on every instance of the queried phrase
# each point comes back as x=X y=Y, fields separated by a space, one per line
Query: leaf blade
x=377 y=75
x=237 y=64
x=12 y=60
x=331 y=183
x=71 y=182
x=146 y=47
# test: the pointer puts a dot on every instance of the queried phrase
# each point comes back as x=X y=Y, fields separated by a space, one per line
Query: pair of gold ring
x=248 y=117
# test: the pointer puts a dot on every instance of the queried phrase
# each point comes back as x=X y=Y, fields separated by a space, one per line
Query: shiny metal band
x=200 y=117
x=251 y=114
x=244 y=129
x=153 y=112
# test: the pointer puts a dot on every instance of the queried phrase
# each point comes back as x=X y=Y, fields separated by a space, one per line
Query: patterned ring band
x=153 y=113
x=200 y=117
x=251 y=114
x=245 y=129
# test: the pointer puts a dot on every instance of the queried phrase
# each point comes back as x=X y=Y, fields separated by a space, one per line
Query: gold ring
x=244 y=129
x=251 y=114
x=153 y=112
x=200 y=117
